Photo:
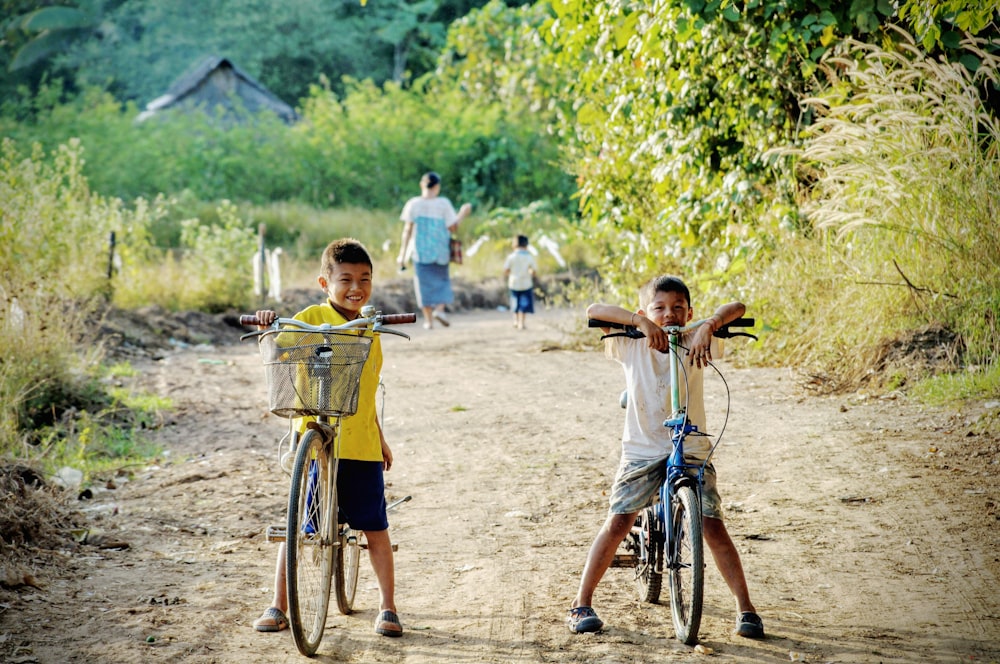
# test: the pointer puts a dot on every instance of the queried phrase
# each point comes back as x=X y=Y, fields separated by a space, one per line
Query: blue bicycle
x=667 y=536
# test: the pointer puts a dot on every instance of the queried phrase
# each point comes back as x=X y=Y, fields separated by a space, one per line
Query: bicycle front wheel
x=310 y=541
x=686 y=564
x=349 y=562
x=648 y=551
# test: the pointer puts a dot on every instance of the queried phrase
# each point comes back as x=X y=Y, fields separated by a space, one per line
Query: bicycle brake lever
x=726 y=334
x=629 y=331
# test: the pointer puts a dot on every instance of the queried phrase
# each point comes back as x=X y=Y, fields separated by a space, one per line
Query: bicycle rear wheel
x=686 y=564
x=648 y=551
x=349 y=562
x=310 y=541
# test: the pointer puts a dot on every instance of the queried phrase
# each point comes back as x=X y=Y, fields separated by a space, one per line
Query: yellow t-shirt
x=359 y=438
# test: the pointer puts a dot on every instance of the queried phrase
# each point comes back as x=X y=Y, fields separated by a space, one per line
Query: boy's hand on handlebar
x=700 y=352
x=265 y=317
x=657 y=338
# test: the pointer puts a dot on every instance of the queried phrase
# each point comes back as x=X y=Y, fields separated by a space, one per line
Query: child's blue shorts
x=522 y=301
x=361 y=494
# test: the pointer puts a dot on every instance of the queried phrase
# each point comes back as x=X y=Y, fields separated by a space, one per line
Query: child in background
x=520 y=269
x=346 y=278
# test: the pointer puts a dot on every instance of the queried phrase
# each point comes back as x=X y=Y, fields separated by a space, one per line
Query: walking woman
x=429 y=220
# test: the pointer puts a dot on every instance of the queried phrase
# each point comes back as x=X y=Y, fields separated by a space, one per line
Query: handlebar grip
x=249 y=319
x=742 y=322
x=593 y=322
x=398 y=319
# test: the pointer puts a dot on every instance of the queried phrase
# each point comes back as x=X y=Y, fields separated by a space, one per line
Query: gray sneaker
x=583 y=619
x=750 y=625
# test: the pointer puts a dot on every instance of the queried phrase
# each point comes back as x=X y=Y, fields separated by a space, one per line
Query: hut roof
x=216 y=81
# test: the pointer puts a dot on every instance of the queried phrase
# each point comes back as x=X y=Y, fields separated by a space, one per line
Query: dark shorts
x=522 y=301
x=361 y=494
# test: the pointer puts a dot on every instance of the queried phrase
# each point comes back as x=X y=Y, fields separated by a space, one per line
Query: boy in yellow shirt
x=346 y=278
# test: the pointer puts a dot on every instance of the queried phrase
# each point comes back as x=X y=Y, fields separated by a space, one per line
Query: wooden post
x=111 y=266
x=262 y=263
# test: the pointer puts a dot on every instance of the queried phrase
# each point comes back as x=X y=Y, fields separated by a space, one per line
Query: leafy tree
x=938 y=23
x=496 y=54
x=678 y=107
x=136 y=48
x=56 y=28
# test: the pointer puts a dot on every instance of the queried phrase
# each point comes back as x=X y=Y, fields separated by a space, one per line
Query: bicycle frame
x=679 y=471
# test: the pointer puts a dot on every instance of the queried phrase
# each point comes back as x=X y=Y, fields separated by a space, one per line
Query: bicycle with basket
x=315 y=370
x=667 y=536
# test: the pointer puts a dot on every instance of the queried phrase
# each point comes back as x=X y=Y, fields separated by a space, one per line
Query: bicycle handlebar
x=384 y=319
x=376 y=321
x=635 y=333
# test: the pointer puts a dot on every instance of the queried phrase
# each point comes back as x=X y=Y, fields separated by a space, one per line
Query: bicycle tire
x=648 y=550
x=686 y=566
x=348 y=564
x=309 y=542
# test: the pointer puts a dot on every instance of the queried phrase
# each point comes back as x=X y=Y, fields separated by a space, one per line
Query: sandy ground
x=868 y=527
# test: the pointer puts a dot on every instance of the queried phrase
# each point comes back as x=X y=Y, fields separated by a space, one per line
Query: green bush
x=366 y=149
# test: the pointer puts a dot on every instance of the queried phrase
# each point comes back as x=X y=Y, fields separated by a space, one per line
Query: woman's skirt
x=432 y=284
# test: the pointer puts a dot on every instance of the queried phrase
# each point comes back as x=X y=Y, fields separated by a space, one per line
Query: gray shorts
x=637 y=485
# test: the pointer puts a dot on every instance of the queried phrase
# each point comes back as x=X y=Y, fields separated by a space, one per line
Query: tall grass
x=904 y=212
x=54 y=257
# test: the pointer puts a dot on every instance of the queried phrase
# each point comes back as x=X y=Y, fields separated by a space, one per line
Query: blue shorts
x=361 y=494
x=522 y=301
x=637 y=485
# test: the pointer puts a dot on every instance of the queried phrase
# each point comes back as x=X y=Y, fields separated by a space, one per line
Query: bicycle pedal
x=275 y=534
x=364 y=545
x=624 y=560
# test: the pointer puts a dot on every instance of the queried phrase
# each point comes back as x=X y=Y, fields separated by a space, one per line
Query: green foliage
x=54 y=29
x=53 y=278
x=497 y=54
x=103 y=437
x=904 y=170
x=366 y=149
x=140 y=47
x=677 y=105
x=977 y=383
x=938 y=23
x=220 y=255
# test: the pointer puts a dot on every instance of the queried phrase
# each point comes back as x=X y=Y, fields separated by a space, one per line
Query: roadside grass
x=902 y=169
x=982 y=382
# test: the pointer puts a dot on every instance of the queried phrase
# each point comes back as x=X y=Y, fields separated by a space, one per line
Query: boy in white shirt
x=520 y=269
x=663 y=301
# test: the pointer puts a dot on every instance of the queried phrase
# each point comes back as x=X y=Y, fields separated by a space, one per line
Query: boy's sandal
x=387 y=624
x=272 y=620
x=583 y=619
x=750 y=625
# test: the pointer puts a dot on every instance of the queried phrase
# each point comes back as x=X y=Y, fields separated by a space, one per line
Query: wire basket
x=313 y=373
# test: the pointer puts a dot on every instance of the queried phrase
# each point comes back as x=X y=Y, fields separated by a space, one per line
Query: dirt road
x=868 y=527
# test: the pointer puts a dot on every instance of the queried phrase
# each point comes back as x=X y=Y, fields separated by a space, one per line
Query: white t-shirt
x=520 y=262
x=647 y=379
x=432 y=220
